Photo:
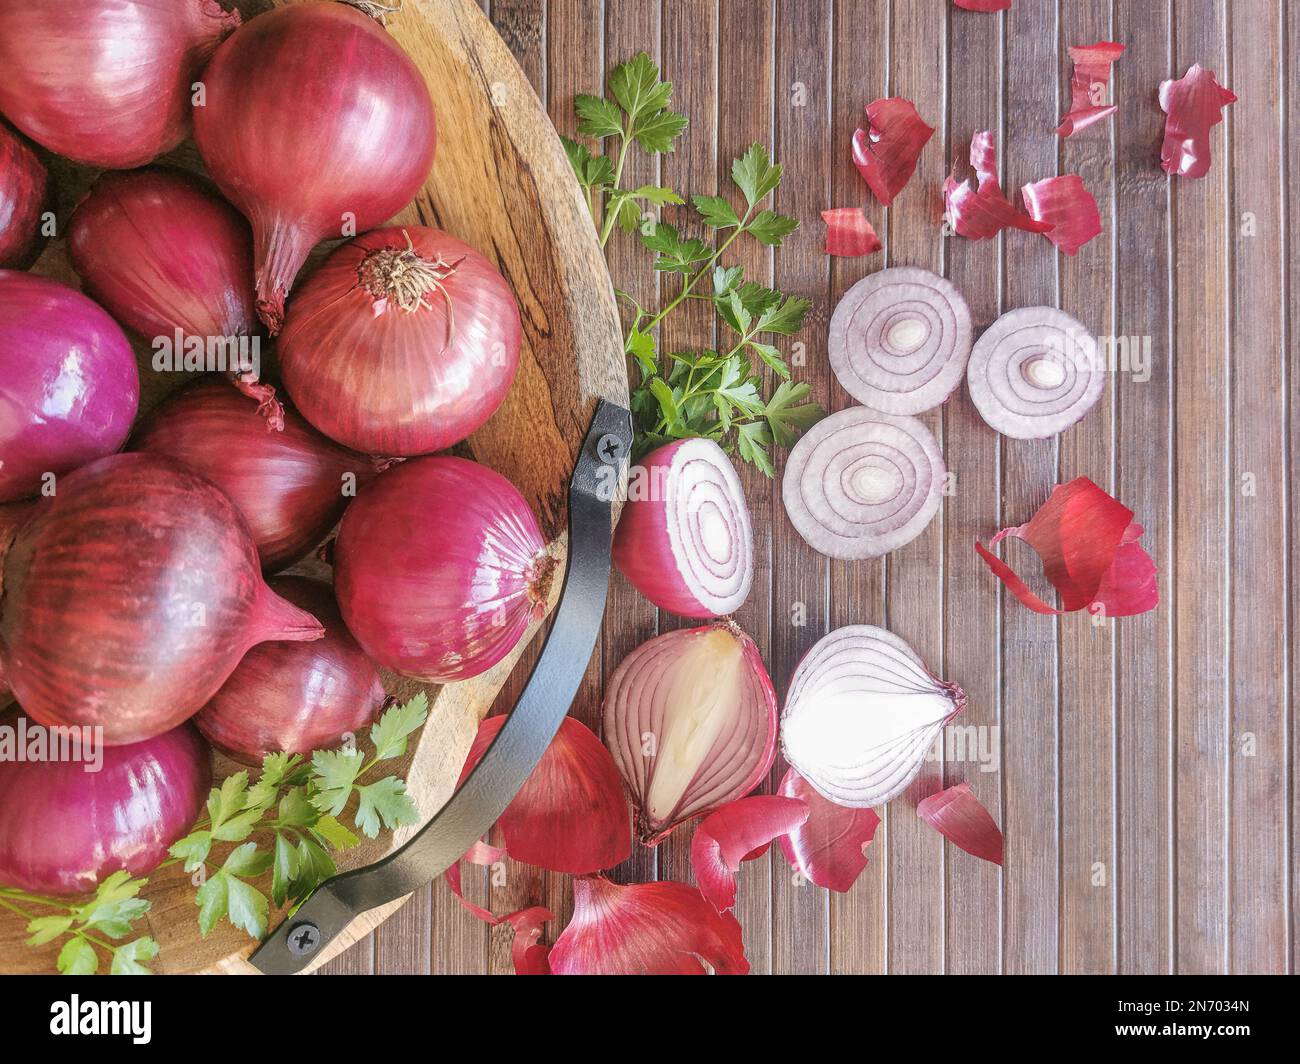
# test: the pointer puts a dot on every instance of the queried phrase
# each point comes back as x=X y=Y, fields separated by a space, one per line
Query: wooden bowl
x=502 y=183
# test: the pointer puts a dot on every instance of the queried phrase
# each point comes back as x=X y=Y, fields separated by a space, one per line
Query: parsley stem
x=705 y=269
x=611 y=216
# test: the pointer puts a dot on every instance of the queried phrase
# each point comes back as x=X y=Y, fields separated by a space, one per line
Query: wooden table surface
x=1144 y=767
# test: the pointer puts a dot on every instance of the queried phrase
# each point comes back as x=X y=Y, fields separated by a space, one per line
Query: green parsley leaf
x=784 y=317
x=335 y=771
x=46 y=929
x=248 y=907
x=755 y=174
x=390 y=732
x=77 y=957
x=597 y=116
x=716 y=212
x=129 y=959
x=637 y=88
x=789 y=412
x=335 y=833
x=771 y=228
x=211 y=899
x=753 y=439
x=283 y=869
x=657 y=132
x=193 y=849
x=246 y=861
x=641 y=346
x=228 y=799
x=772 y=357
x=384 y=800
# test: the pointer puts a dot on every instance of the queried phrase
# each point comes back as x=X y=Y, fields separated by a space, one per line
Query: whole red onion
x=24 y=186
x=439 y=566
x=172 y=260
x=316 y=124
x=130 y=597
x=295 y=697
x=413 y=358
x=66 y=824
x=69 y=388
x=109 y=83
x=291 y=486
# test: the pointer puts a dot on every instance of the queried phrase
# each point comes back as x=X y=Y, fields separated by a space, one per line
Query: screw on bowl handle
x=508 y=762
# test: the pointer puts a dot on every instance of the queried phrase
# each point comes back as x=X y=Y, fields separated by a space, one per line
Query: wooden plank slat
x=1257 y=872
x=800 y=914
x=1143 y=483
x=1291 y=348
x=914 y=574
x=861 y=74
x=1202 y=511
x=973 y=512
x=1087 y=722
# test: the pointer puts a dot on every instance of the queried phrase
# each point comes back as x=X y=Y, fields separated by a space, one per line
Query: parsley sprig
x=287 y=823
x=716 y=394
x=92 y=930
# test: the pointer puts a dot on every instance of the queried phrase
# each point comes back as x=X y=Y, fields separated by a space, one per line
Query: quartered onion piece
x=1194 y=104
x=1089 y=546
x=861 y=715
x=739 y=831
x=899 y=340
x=886 y=152
x=849 y=233
x=571 y=814
x=1034 y=373
x=960 y=818
x=973 y=200
x=860 y=483
x=830 y=847
x=690 y=717
x=684 y=539
x=1067 y=205
x=1088 y=84
x=661 y=928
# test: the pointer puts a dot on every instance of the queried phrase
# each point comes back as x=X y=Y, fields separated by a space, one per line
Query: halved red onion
x=830 y=847
x=690 y=717
x=739 y=831
x=861 y=484
x=67 y=823
x=1088 y=83
x=24 y=187
x=1194 y=104
x=959 y=817
x=291 y=486
x=684 y=539
x=571 y=815
x=899 y=340
x=295 y=697
x=1034 y=373
x=849 y=233
x=661 y=928
x=861 y=715
x=886 y=152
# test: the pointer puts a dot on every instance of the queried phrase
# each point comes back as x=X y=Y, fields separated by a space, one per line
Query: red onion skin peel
x=659 y=928
x=130 y=596
x=63 y=829
x=861 y=715
x=291 y=486
x=685 y=538
x=69 y=387
x=740 y=831
x=829 y=847
x=316 y=125
x=295 y=697
x=439 y=567
x=960 y=818
x=24 y=192
x=404 y=342
x=571 y=816
x=170 y=259
x=899 y=340
x=849 y=233
x=886 y=152
x=690 y=717
x=109 y=85
x=1194 y=105
x=860 y=484
x=1092 y=65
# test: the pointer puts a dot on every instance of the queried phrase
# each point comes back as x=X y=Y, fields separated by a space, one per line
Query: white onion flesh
x=899 y=340
x=690 y=719
x=861 y=715
x=1034 y=373
x=861 y=483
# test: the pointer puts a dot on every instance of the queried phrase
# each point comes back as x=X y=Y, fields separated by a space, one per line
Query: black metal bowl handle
x=479 y=802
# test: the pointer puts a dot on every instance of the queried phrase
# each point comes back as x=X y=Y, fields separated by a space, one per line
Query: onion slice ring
x=860 y=483
x=862 y=713
x=1034 y=373
x=899 y=340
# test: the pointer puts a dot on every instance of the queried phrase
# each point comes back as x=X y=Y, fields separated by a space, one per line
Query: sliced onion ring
x=685 y=540
x=899 y=340
x=1034 y=373
x=861 y=715
x=861 y=484
x=690 y=717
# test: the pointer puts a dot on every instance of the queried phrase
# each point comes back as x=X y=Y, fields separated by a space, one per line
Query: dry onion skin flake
x=860 y=483
x=1034 y=373
x=862 y=713
x=899 y=340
